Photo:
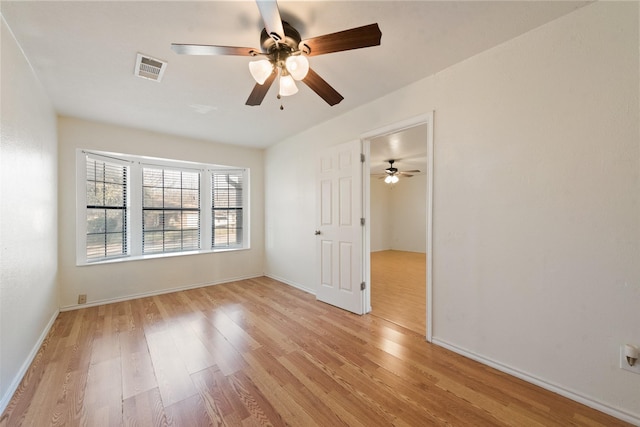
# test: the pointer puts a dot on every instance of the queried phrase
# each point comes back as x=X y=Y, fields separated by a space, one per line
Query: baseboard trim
x=292 y=284
x=27 y=363
x=562 y=391
x=154 y=293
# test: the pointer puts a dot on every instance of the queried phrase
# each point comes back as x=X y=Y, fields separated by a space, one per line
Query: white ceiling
x=84 y=54
x=408 y=149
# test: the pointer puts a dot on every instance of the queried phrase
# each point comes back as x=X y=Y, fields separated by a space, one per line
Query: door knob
x=317 y=233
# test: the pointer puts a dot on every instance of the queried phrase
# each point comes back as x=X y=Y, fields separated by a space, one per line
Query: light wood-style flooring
x=258 y=352
x=399 y=288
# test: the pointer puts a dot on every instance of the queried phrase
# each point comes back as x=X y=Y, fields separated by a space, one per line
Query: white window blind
x=170 y=210
x=106 y=214
x=227 y=208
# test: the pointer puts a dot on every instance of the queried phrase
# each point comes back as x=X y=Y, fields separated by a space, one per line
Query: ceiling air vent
x=149 y=68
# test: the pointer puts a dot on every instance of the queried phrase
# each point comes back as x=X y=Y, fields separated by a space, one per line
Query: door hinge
x=361 y=221
x=361 y=157
x=363 y=286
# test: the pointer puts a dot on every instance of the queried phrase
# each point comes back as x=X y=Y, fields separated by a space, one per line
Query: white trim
x=427 y=119
x=155 y=293
x=398 y=126
x=366 y=213
x=430 y=163
x=292 y=284
x=162 y=255
x=562 y=391
x=81 y=205
x=106 y=157
x=26 y=364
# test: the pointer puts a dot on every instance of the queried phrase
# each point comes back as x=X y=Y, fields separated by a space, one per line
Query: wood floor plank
x=399 y=288
x=188 y=412
x=233 y=333
x=226 y=356
x=239 y=411
x=144 y=409
x=219 y=410
x=37 y=374
x=106 y=345
x=44 y=397
x=304 y=388
x=257 y=352
x=193 y=352
x=102 y=404
x=174 y=381
x=137 y=370
x=260 y=409
x=281 y=405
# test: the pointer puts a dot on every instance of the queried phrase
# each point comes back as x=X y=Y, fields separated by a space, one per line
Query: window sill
x=156 y=256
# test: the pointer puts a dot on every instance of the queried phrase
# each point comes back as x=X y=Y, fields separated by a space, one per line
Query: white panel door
x=339 y=248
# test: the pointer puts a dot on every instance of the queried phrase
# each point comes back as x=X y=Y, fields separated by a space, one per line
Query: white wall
x=380 y=221
x=536 y=202
x=28 y=216
x=398 y=215
x=108 y=282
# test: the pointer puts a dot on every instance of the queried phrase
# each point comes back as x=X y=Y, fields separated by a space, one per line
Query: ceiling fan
x=284 y=54
x=392 y=173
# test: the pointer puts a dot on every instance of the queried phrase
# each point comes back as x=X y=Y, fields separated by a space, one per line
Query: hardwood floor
x=399 y=288
x=258 y=352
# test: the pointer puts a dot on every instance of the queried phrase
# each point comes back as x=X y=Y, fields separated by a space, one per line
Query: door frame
x=423 y=119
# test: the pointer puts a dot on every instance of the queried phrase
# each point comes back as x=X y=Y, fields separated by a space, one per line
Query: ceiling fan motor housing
x=289 y=44
x=391 y=170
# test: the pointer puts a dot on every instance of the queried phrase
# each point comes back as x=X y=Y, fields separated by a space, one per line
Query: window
x=106 y=201
x=132 y=207
x=170 y=210
x=226 y=208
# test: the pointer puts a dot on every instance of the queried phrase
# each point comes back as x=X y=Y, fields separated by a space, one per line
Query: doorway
x=398 y=241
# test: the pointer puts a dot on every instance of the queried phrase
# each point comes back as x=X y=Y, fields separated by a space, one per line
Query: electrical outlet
x=82 y=299
x=625 y=365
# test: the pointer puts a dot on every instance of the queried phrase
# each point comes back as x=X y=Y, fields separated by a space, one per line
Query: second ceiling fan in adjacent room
x=391 y=174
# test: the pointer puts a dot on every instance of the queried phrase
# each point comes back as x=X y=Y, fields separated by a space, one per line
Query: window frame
x=134 y=205
x=213 y=208
x=126 y=217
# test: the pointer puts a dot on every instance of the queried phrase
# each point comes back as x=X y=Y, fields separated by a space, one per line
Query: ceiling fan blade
x=355 y=38
x=260 y=91
x=408 y=175
x=412 y=171
x=204 y=49
x=322 y=88
x=271 y=17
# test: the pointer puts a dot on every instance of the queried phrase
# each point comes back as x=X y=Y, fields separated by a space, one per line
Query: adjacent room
x=398 y=230
x=196 y=226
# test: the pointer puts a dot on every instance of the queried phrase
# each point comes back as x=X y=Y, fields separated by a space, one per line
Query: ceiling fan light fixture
x=260 y=70
x=391 y=179
x=287 y=85
x=297 y=66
